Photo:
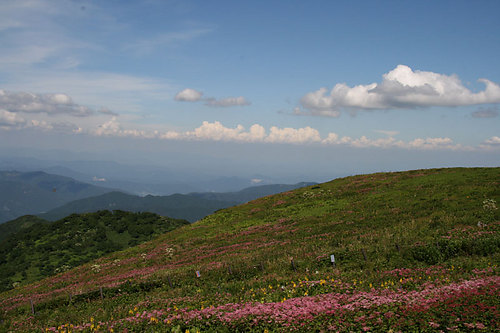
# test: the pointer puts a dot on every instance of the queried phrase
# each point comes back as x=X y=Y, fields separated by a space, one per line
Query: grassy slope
x=418 y=230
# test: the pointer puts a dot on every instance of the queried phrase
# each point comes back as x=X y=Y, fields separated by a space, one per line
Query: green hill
x=414 y=251
x=23 y=193
x=44 y=249
x=23 y=222
x=176 y=205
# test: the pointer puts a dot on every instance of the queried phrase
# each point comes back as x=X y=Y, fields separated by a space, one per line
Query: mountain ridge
x=26 y=193
x=192 y=206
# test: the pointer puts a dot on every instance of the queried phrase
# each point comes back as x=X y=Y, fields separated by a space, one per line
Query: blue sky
x=397 y=77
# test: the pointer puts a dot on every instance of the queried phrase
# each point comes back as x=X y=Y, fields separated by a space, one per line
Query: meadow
x=414 y=251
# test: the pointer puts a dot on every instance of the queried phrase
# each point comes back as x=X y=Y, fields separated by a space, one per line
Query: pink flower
x=433 y=324
x=480 y=326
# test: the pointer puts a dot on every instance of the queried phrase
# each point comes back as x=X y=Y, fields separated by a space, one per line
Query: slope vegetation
x=44 y=249
x=16 y=225
x=414 y=251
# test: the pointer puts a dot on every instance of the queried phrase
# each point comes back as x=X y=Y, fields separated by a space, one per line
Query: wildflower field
x=414 y=251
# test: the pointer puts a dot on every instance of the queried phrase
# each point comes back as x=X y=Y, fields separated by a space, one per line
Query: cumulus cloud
x=433 y=143
x=218 y=132
x=10 y=119
x=113 y=128
x=229 y=101
x=490 y=112
x=191 y=95
x=401 y=88
x=188 y=95
x=292 y=135
x=494 y=140
x=50 y=104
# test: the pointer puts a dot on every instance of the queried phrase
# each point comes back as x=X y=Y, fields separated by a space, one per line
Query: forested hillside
x=45 y=249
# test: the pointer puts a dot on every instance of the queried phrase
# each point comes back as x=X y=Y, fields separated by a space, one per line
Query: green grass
x=423 y=224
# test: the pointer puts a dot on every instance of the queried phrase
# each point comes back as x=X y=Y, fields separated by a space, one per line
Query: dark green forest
x=45 y=249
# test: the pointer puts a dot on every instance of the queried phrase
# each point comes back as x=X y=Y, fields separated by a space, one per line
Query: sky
x=304 y=87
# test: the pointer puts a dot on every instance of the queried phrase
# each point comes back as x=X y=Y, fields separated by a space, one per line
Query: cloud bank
x=401 y=88
x=216 y=131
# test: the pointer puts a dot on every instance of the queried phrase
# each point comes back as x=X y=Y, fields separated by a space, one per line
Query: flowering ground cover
x=414 y=251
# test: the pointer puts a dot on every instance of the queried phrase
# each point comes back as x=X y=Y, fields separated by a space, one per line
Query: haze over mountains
x=53 y=197
x=143 y=177
x=36 y=192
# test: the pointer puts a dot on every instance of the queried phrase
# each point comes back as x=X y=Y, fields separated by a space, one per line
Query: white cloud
x=292 y=135
x=10 y=119
x=188 y=95
x=401 y=88
x=191 y=95
x=113 y=128
x=229 y=101
x=494 y=140
x=218 y=132
x=42 y=103
x=433 y=143
x=362 y=142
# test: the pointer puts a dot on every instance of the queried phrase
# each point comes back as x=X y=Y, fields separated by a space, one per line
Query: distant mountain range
x=139 y=179
x=53 y=197
x=251 y=193
x=183 y=206
x=191 y=207
x=23 y=193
